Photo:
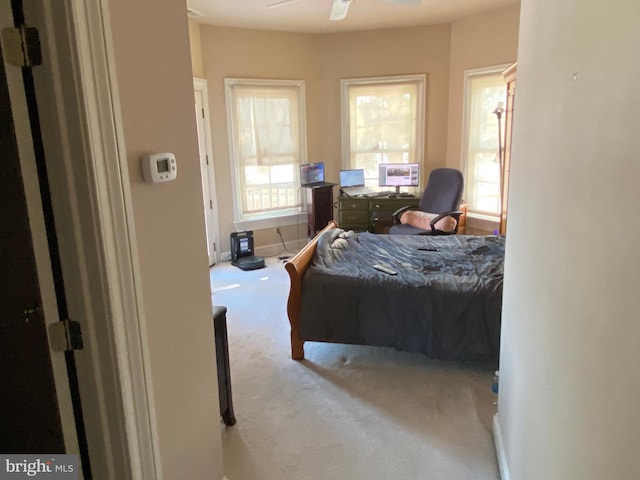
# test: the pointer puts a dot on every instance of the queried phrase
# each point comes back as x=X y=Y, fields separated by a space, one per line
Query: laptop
x=352 y=183
x=312 y=175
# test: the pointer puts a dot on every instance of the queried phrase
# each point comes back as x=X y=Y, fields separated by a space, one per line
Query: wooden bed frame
x=296 y=267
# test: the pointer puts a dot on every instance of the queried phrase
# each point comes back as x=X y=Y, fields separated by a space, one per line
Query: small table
x=222 y=362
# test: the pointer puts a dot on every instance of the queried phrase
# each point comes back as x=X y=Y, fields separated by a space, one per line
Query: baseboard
x=270 y=250
x=481 y=223
x=277 y=248
x=500 y=453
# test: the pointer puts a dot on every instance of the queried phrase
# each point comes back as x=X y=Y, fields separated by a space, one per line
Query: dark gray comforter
x=445 y=303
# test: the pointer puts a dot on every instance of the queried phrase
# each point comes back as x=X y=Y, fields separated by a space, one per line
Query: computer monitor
x=311 y=173
x=352 y=178
x=398 y=175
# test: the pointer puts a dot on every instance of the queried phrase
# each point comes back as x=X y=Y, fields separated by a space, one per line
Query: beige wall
x=321 y=61
x=569 y=383
x=381 y=53
x=156 y=93
x=481 y=41
x=196 y=49
x=440 y=51
x=230 y=52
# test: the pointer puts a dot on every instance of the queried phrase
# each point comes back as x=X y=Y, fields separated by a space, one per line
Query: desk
x=375 y=214
x=372 y=214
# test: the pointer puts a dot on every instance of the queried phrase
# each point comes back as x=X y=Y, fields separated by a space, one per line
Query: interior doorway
x=87 y=180
x=206 y=168
x=29 y=412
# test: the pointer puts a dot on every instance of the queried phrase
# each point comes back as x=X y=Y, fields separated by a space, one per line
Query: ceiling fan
x=340 y=8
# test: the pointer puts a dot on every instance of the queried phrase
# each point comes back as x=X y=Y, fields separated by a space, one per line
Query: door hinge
x=21 y=46
x=211 y=204
x=65 y=336
x=203 y=113
x=207 y=157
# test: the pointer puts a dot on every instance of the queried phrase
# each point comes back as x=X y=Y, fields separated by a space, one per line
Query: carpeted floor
x=346 y=412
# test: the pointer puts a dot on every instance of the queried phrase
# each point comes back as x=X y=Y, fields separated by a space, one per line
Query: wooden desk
x=375 y=214
x=371 y=214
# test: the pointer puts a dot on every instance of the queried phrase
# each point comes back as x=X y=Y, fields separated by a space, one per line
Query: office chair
x=438 y=206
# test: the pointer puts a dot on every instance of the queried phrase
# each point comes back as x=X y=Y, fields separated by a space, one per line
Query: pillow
x=422 y=220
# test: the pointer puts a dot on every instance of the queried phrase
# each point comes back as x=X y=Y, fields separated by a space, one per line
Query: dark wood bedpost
x=296 y=267
x=293 y=310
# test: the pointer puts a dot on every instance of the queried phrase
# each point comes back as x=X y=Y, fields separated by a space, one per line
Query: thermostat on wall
x=159 y=167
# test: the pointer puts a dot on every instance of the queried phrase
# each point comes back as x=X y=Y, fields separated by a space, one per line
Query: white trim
x=464 y=138
x=270 y=222
x=421 y=106
x=114 y=373
x=213 y=226
x=111 y=190
x=485 y=223
x=500 y=452
x=229 y=83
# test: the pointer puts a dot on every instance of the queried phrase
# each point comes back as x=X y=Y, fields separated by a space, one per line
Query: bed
x=445 y=300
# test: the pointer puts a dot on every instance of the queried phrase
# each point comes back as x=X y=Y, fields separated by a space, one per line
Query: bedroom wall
x=441 y=51
x=320 y=60
x=234 y=52
x=381 y=53
x=483 y=40
x=156 y=93
x=569 y=384
x=196 y=49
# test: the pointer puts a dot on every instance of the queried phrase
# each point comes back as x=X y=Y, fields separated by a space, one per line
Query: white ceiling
x=312 y=16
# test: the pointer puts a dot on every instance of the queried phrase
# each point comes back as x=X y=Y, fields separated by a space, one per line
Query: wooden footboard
x=296 y=267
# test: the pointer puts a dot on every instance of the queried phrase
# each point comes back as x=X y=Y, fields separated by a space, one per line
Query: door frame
x=97 y=239
x=209 y=183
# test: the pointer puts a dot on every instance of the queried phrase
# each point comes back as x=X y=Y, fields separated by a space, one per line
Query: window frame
x=420 y=79
x=466 y=111
x=273 y=218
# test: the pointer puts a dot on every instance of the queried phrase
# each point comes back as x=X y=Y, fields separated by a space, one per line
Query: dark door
x=29 y=416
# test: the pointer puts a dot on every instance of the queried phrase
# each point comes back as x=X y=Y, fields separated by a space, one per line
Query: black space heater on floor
x=242 y=251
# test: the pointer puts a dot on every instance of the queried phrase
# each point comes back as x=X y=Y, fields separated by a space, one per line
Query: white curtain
x=268 y=141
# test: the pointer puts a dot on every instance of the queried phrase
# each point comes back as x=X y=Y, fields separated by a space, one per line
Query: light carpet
x=346 y=412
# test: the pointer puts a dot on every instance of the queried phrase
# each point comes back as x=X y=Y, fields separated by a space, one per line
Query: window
x=383 y=122
x=484 y=90
x=267 y=137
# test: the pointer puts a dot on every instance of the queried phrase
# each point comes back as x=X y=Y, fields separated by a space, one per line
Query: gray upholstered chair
x=441 y=197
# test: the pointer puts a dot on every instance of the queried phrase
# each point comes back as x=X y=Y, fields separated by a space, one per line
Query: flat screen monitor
x=398 y=175
x=352 y=178
x=311 y=173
